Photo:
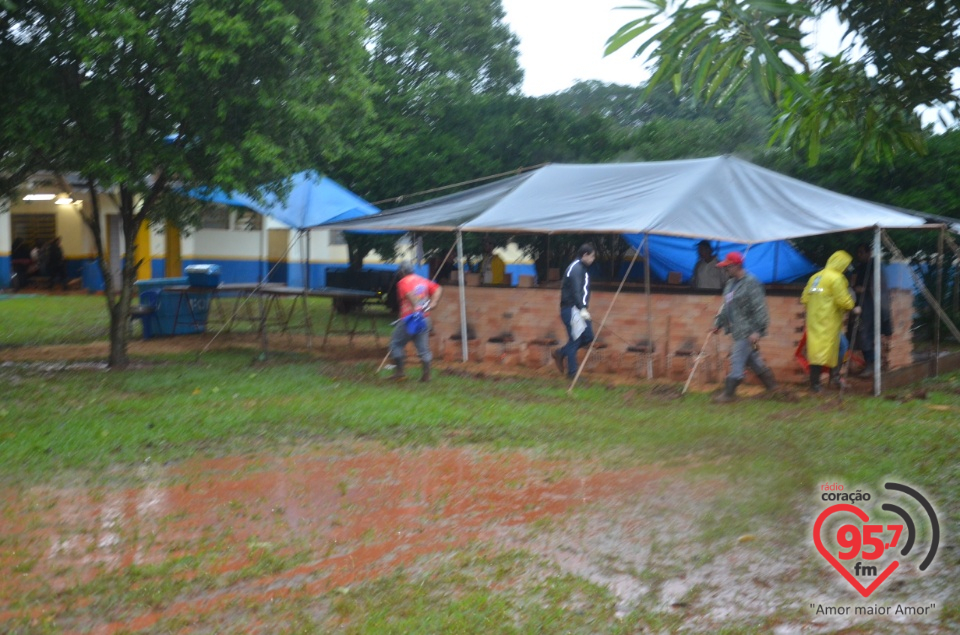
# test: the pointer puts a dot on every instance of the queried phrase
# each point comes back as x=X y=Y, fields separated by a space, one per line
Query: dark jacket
x=575 y=288
x=744 y=309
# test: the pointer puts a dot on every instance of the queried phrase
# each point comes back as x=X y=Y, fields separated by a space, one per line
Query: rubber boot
x=815 y=372
x=398 y=370
x=558 y=358
x=769 y=381
x=426 y=372
x=836 y=381
x=729 y=391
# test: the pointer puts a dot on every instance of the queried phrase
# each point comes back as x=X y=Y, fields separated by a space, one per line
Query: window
x=248 y=220
x=337 y=238
x=215 y=217
x=34 y=228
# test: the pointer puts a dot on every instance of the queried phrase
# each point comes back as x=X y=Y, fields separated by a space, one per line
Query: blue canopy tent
x=770 y=262
x=313 y=199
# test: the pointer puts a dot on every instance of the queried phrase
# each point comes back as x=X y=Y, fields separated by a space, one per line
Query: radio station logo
x=867 y=552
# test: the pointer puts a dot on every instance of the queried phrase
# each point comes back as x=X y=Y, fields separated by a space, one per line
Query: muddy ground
x=327 y=520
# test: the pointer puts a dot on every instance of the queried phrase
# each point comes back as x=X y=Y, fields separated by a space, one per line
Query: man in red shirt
x=417 y=296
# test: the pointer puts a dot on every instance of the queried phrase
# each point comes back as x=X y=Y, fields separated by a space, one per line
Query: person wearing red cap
x=744 y=316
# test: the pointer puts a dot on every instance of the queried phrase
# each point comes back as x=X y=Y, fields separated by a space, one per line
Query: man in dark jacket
x=574 y=300
x=745 y=316
x=56 y=265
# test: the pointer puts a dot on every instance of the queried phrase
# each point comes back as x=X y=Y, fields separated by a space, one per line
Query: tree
x=898 y=57
x=478 y=136
x=427 y=57
x=448 y=112
x=427 y=52
x=144 y=99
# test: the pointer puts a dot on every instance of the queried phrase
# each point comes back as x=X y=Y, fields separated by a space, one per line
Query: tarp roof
x=313 y=199
x=719 y=198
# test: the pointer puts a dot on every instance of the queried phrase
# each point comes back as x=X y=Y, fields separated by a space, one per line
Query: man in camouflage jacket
x=744 y=316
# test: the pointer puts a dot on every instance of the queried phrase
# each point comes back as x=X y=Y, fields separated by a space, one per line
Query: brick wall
x=531 y=316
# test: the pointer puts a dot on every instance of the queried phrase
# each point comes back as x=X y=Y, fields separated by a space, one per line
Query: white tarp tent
x=719 y=198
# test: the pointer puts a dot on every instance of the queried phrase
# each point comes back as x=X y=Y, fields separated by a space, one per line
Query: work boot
x=769 y=381
x=398 y=374
x=426 y=372
x=836 y=381
x=815 y=372
x=557 y=356
x=729 y=391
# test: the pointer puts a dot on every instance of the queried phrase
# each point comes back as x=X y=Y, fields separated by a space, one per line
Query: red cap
x=733 y=258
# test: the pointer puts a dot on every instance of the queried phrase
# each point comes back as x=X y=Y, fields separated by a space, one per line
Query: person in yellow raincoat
x=828 y=299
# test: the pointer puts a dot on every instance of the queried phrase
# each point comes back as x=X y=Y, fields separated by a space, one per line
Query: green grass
x=89 y=420
x=405 y=603
x=33 y=320
x=36 y=320
x=56 y=426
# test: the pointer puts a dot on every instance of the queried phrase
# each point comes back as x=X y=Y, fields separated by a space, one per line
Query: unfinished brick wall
x=680 y=323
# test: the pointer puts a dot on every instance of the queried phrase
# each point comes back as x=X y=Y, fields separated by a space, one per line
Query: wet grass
x=86 y=421
x=75 y=426
x=457 y=598
x=37 y=320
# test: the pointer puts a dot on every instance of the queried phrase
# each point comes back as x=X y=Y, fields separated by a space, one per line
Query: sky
x=562 y=42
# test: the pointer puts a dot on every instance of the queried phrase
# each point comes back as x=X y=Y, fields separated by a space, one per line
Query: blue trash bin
x=147 y=313
x=175 y=313
x=203 y=275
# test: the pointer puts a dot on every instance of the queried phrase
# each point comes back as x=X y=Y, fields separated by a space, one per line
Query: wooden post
x=936 y=322
x=646 y=284
x=463 y=300
x=877 y=309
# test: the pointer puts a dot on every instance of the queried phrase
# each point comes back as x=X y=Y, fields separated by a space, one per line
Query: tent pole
x=546 y=274
x=636 y=253
x=463 y=299
x=776 y=260
x=936 y=329
x=263 y=249
x=646 y=284
x=306 y=264
x=877 y=310
x=955 y=264
x=242 y=303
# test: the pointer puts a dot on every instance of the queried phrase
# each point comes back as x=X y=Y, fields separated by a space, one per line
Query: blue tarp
x=770 y=262
x=313 y=199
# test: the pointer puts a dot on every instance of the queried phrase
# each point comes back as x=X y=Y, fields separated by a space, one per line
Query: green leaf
x=627 y=33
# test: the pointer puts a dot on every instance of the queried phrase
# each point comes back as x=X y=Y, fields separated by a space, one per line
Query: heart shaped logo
x=829 y=557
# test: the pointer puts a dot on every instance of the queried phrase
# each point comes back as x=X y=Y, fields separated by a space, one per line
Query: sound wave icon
x=911 y=526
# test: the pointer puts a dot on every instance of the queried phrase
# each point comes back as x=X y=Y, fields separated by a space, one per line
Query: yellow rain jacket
x=827 y=298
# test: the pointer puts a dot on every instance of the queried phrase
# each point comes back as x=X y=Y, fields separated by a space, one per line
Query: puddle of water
x=350 y=514
x=53 y=367
x=360 y=514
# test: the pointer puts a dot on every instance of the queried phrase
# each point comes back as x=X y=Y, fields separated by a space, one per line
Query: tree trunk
x=119 y=316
